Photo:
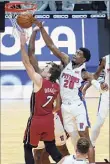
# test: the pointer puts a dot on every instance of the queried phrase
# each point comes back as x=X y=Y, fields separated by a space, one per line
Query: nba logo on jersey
x=81 y=125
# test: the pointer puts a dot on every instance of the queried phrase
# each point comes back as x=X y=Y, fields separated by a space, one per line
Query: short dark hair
x=83 y=145
x=55 y=72
x=86 y=53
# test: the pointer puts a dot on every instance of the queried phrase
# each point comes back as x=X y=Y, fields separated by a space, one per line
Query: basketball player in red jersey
x=40 y=154
x=40 y=125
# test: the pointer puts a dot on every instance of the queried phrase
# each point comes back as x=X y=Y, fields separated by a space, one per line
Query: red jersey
x=42 y=101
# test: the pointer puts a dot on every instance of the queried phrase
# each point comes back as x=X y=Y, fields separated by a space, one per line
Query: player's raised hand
x=23 y=38
x=36 y=28
x=38 y=23
x=104 y=86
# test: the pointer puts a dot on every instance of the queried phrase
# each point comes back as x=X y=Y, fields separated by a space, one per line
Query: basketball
x=25 y=20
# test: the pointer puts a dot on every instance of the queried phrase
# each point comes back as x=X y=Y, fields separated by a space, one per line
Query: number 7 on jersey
x=49 y=98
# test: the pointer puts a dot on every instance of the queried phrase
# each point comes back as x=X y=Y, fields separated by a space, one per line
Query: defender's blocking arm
x=63 y=57
x=100 y=68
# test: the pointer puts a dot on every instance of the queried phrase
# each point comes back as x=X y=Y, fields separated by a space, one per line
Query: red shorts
x=40 y=128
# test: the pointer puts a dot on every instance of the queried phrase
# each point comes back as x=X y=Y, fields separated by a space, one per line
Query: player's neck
x=47 y=78
x=74 y=65
x=81 y=156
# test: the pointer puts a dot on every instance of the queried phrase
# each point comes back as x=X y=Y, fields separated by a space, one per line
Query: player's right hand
x=36 y=28
x=38 y=23
x=104 y=86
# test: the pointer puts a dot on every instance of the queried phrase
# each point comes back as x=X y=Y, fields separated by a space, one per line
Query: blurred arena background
x=71 y=24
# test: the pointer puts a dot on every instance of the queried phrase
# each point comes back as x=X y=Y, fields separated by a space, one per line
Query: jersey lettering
x=81 y=125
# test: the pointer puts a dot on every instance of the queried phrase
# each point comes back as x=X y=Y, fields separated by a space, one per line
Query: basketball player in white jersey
x=103 y=76
x=40 y=155
x=82 y=148
x=104 y=104
x=70 y=81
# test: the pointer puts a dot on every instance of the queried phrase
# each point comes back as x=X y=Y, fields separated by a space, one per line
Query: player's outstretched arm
x=96 y=75
x=63 y=57
x=100 y=68
x=91 y=78
x=35 y=77
x=31 y=50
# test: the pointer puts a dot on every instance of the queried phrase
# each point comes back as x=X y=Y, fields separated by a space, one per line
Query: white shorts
x=104 y=107
x=75 y=112
x=60 y=135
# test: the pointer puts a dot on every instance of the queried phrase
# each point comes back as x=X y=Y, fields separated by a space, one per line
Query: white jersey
x=101 y=78
x=70 y=82
x=107 y=69
x=107 y=74
x=72 y=160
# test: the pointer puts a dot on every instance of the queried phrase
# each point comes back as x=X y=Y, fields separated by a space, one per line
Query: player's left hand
x=104 y=86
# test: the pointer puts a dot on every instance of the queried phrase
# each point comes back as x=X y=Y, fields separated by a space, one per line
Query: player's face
x=45 y=71
x=78 y=57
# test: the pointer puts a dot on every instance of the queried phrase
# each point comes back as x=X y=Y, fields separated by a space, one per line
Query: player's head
x=82 y=146
x=81 y=56
x=51 y=71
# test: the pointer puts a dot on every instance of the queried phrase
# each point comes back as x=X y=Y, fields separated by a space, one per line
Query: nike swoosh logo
x=79 y=104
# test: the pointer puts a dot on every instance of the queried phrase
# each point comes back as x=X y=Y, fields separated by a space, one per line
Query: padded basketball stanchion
x=2 y=16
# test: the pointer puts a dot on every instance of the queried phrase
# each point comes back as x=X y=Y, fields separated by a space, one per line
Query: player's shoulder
x=102 y=61
x=107 y=58
x=83 y=68
x=56 y=85
x=65 y=160
x=70 y=157
x=49 y=83
x=69 y=64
